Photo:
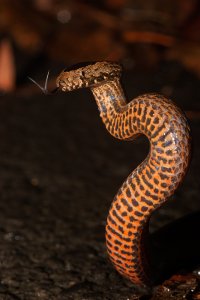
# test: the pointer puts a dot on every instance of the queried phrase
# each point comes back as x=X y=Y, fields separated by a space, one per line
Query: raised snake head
x=87 y=75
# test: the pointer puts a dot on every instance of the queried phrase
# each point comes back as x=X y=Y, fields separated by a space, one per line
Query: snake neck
x=153 y=181
x=110 y=100
x=152 y=115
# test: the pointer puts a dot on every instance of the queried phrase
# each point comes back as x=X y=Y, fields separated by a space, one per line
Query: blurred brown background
x=40 y=34
x=60 y=169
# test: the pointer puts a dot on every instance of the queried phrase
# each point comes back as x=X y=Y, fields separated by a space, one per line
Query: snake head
x=87 y=75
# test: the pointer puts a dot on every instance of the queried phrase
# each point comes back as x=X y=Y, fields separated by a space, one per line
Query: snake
x=154 y=180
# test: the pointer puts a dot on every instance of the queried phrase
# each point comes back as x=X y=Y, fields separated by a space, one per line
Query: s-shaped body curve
x=155 y=179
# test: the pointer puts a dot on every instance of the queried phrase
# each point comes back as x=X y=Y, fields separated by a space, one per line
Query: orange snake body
x=155 y=179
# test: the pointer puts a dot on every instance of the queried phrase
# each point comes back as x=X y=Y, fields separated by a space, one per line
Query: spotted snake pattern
x=154 y=180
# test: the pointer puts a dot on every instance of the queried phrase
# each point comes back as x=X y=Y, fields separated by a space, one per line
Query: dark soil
x=60 y=170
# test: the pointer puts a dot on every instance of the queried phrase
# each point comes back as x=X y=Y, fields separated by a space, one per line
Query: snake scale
x=154 y=180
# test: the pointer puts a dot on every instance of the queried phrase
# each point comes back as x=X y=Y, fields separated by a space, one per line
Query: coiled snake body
x=155 y=179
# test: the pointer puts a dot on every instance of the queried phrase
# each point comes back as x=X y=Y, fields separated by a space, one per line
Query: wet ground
x=59 y=170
